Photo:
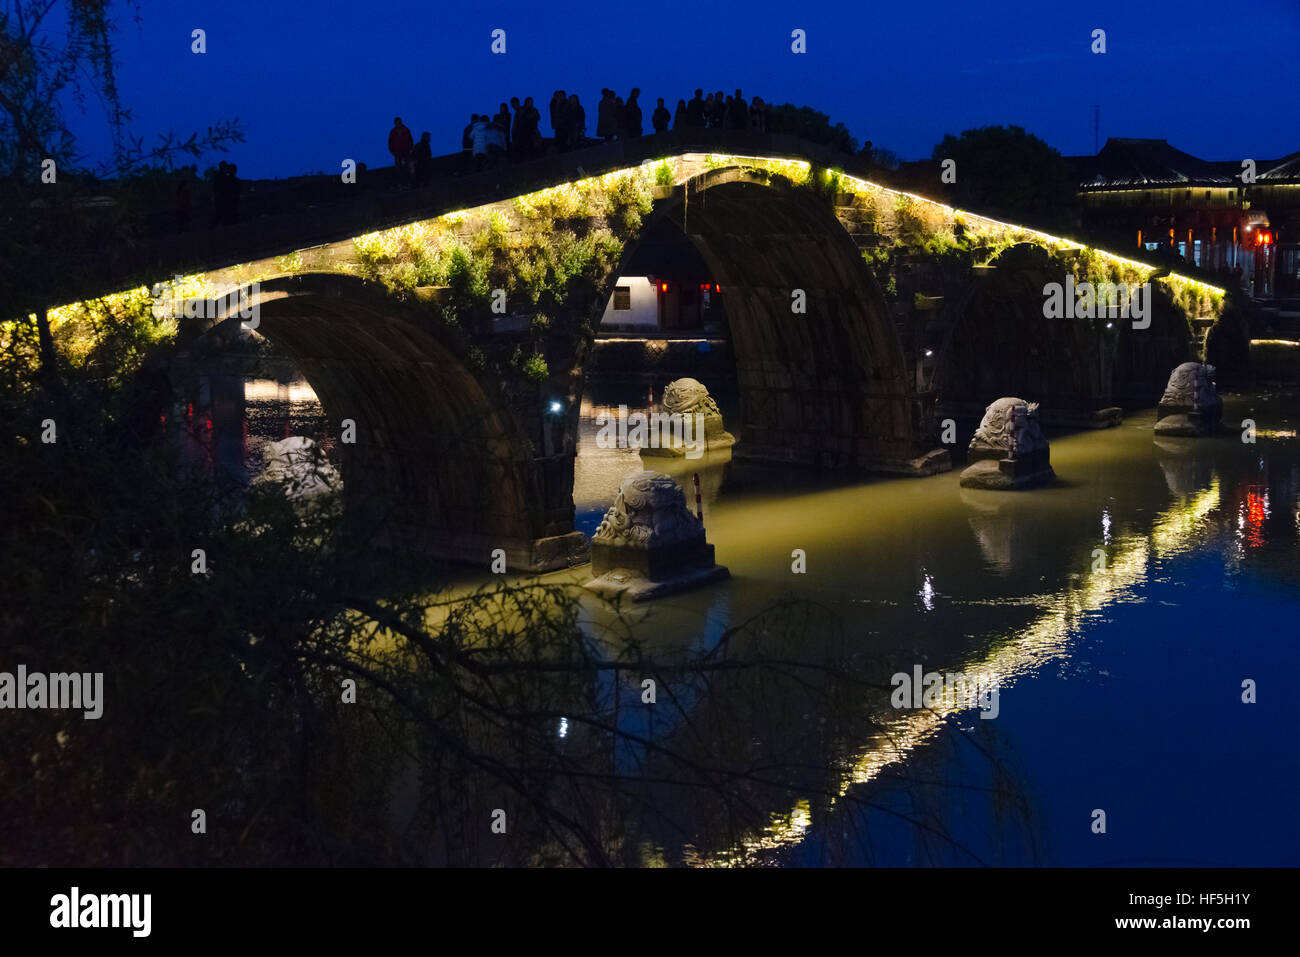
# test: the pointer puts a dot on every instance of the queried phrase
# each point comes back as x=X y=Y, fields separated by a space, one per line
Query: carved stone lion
x=650 y=511
x=1008 y=450
x=649 y=544
x=1191 y=405
x=689 y=396
x=1191 y=386
x=1010 y=426
x=300 y=465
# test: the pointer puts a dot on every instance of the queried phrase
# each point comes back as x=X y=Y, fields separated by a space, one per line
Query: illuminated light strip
x=1274 y=342
x=1045 y=237
x=654 y=339
x=1146 y=268
x=1046 y=639
x=646 y=169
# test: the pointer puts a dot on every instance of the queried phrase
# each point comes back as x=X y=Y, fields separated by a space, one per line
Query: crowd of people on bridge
x=514 y=132
x=618 y=119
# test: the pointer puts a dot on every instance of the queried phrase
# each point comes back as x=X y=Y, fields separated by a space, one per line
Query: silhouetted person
x=606 y=125
x=400 y=145
x=718 y=111
x=502 y=119
x=478 y=135
x=680 y=116
x=620 y=127
x=757 y=116
x=516 y=128
x=577 y=121
x=559 y=106
x=695 y=115
x=737 y=113
x=530 y=136
x=422 y=157
x=660 y=118
x=496 y=136
x=563 y=123
x=632 y=114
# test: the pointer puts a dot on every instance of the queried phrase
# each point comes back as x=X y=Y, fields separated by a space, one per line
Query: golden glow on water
x=1043 y=640
x=270 y=390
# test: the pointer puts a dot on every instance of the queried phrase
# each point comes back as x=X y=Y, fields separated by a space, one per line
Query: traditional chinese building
x=1236 y=217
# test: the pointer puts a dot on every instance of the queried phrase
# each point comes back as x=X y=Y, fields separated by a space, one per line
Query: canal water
x=1124 y=611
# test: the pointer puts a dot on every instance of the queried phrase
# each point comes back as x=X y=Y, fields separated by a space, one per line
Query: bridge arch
x=450 y=463
x=825 y=387
x=442 y=465
x=1000 y=343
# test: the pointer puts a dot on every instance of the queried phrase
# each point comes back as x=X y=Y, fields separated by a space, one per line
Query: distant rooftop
x=1127 y=163
x=1287 y=169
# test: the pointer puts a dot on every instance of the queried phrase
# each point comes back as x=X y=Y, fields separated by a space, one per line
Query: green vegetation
x=289 y=264
x=105 y=340
x=1195 y=299
x=921 y=229
x=826 y=184
x=541 y=248
x=534 y=367
x=550 y=251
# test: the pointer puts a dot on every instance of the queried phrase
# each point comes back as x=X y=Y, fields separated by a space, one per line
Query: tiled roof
x=1286 y=169
x=1133 y=162
x=1136 y=163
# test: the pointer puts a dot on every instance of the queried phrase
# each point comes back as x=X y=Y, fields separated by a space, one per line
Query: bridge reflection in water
x=923 y=572
x=1013 y=658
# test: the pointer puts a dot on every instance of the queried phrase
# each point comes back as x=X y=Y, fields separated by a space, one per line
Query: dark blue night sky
x=315 y=83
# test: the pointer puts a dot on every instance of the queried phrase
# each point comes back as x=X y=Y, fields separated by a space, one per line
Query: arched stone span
x=826 y=387
x=1143 y=357
x=451 y=463
x=1002 y=344
x=442 y=464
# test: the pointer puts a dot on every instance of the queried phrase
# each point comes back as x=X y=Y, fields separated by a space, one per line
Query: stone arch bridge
x=467 y=419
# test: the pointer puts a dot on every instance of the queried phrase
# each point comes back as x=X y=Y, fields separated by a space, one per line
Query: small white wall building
x=634 y=307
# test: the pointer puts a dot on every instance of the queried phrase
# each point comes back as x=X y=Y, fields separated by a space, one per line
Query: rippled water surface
x=1120 y=610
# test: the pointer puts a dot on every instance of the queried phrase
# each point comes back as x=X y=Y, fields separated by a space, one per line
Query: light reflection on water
x=1019 y=571
x=922 y=570
x=1013 y=657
